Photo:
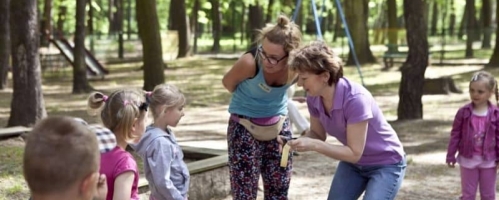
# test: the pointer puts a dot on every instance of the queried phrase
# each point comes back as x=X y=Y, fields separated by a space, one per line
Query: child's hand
x=451 y=164
x=101 y=192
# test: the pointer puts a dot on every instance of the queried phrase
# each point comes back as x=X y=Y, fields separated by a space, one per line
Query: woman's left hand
x=303 y=144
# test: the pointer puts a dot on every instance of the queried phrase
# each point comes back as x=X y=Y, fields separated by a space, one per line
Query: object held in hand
x=285 y=152
x=285 y=155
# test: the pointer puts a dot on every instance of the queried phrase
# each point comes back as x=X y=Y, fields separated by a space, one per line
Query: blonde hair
x=164 y=96
x=59 y=152
x=317 y=58
x=119 y=110
x=285 y=33
x=489 y=79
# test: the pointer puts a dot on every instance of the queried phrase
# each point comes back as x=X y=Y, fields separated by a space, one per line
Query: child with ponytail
x=124 y=112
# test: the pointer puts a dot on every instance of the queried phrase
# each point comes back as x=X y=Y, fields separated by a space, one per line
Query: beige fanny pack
x=263 y=129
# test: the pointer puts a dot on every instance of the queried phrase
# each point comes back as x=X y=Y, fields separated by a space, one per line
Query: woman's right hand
x=451 y=164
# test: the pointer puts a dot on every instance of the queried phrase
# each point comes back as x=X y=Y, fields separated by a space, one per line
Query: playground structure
x=94 y=68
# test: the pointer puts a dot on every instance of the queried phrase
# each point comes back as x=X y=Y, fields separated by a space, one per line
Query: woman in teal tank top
x=258 y=82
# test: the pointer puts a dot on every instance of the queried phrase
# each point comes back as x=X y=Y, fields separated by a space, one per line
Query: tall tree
x=452 y=18
x=470 y=25
x=4 y=42
x=269 y=14
x=411 y=86
x=434 y=19
x=216 y=17
x=80 y=81
x=183 y=29
x=487 y=23
x=195 y=24
x=152 y=52
x=27 y=105
x=356 y=12
x=255 y=13
x=494 y=59
x=392 y=23
x=47 y=22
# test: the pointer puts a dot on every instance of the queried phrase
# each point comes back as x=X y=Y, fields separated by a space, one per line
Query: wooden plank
x=201 y=153
x=13 y=131
x=194 y=168
x=208 y=164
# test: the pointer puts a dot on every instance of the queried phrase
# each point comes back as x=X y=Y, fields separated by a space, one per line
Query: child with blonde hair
x=124 y=112
x=164 y=166
x=475 y=136
x=61 y=161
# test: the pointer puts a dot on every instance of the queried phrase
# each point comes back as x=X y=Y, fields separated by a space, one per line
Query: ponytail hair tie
x=148 y=97
x=104 y=98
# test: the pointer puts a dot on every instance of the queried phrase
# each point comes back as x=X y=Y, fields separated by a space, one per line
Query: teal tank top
x=254 y=98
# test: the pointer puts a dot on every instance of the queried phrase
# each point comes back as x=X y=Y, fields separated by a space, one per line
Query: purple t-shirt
x=353 y=104
x=114 y=163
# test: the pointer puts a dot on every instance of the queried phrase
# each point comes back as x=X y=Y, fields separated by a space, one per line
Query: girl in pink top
x=475 y=134
x=125 y=113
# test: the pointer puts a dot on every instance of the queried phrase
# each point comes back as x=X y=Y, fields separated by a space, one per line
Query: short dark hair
x=59 y=152
x=317 y=58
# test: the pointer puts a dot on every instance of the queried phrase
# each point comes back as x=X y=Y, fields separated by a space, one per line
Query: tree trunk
x=90 y=21
x=61 y=16
x=338 y=28
x=470 y=25
x=216 y=17
x=47 y=23
x=487 y=23
x=392 y=22
x=110 y=15
x=255 y=22
x=152 y=53
x=4 y=42
x=268 y=16
x=195 y=25
x=494 y=59
x=172 y=24
x=27 y=106
x=411 y=86
x=356 y=11
x=80 y=82
x=452 y=18
x=463 y=24
x=118 y=16
x=183 y=29
x=434 y=19
x=243 y=24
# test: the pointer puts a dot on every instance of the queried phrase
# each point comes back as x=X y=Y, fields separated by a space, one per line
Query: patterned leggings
x=248 y=158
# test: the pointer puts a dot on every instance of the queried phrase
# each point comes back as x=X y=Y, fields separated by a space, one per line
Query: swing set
x=318 y=19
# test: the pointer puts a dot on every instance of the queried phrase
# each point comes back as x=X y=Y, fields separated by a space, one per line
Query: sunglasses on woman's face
x=271 y=60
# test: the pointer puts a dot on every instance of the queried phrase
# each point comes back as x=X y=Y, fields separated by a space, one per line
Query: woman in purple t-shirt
x=372 y=159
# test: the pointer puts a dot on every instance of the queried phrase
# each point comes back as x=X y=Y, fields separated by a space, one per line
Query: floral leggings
x=248 y=158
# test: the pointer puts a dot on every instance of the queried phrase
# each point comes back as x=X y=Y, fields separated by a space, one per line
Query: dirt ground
x=205 y=123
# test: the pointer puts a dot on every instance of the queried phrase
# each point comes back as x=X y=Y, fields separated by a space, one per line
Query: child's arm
x=455 y=138
x=497 y=138
x=161 y=165
x=123 y=185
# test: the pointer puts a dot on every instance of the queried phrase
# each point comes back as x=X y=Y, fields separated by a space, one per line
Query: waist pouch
x=263 y=129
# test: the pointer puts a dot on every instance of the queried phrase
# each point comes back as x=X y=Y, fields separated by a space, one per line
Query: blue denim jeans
x=379 y=182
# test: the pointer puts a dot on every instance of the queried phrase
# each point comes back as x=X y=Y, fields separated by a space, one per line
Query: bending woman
x=371 y=155
x=258 y=82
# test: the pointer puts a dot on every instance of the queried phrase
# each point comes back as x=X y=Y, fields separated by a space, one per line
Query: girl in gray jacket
x=164 y=166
